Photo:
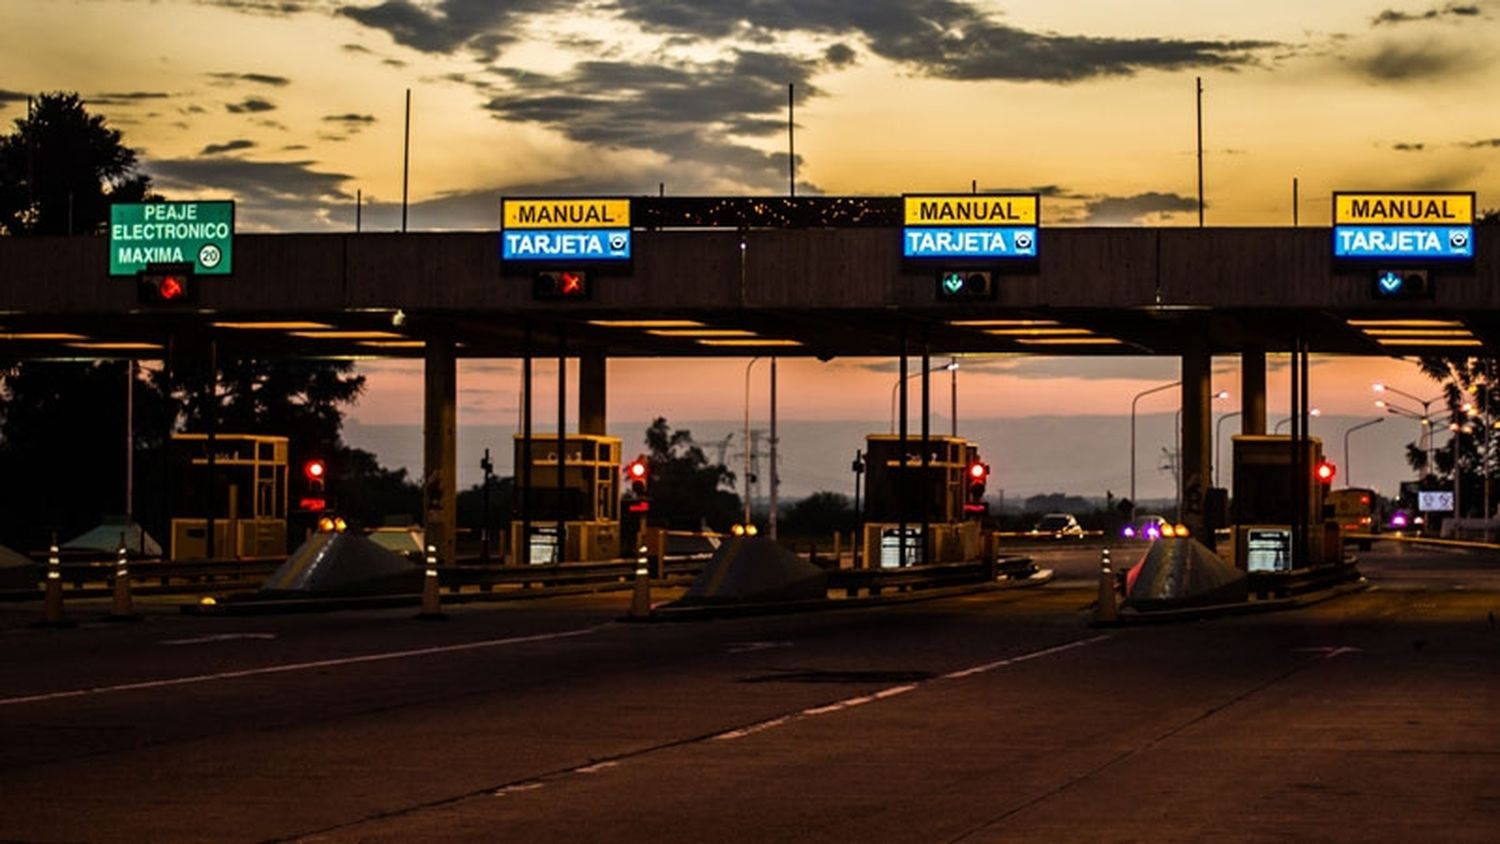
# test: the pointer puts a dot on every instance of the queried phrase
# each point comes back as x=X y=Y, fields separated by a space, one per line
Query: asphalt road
x=992 y=717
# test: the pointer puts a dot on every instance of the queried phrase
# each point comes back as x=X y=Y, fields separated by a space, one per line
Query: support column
x=1253 y=390
x=592 y=392
x=1197 y=433
x=440 y=447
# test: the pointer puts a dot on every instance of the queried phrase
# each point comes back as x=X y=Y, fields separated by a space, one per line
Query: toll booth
x=248 y=493
x=587 y=502
x=898 y=488
x=1264 y=508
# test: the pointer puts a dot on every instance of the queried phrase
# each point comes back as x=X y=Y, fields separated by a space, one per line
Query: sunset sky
x=292 y=106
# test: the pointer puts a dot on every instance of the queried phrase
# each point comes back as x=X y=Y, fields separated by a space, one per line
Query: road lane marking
x=218 y=637
x=1008 y=661
x=299 y=666
x=893 y=691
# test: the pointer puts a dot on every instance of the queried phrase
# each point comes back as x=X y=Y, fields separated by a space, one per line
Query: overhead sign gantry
x=984 y=227
x=568 y=231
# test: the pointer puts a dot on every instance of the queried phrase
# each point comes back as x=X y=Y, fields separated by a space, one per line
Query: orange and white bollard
x=432 y=597
x=640 y=600
x=52 y=610
x=1105 y=612
x=122 y=609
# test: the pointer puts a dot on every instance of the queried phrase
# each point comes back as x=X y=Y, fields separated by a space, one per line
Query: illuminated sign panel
x=196 y=233
x=565 y=230
x=970 y=227
x=1417 y=227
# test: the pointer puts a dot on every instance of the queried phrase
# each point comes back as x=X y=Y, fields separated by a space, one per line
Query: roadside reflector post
x=640 y=601
x=52 y=611
x=1105 y=611
x=431 y=591
x=658 y=558
x=122 y=609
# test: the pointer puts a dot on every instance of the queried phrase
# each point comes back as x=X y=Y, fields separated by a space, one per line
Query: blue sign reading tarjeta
x=1404 y=243
x=566 y=244
x=969 y=242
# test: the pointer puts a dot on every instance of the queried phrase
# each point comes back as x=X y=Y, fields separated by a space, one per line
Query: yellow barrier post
x=640 y=600
x=1105 y=612
x=432 y=608
x=122 y=609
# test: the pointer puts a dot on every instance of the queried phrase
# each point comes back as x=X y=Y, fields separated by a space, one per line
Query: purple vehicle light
x=1129 y=532
x=1153 y=532
x=1398 y=520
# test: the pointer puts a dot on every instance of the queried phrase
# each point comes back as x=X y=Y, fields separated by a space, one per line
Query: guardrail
x=874 y=581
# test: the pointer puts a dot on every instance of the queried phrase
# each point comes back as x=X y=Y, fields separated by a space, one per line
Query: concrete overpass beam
x=1197 y=439
x=440 y=446
x=592 y=392
x=1253 y=390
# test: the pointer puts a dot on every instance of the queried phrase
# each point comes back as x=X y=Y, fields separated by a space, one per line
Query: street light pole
x=1426 y=416
x=1348 y=471
x=748 y=367
x=1219 y=444
x=1277 y=428
x=1133 y=402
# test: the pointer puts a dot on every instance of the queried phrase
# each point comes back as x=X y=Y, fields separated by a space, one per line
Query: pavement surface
x=999 y=716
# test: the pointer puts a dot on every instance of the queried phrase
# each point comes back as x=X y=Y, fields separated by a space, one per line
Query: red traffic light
x=636 y=469
x=978 y=471
x=638 y=472
x=315 y=469
x=1325 y=472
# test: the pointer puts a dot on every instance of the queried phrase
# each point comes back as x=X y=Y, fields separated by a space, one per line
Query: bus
x=1356 y=509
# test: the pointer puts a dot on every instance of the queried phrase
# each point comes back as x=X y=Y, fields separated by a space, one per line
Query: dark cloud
x=1132 y=209
x=282 y=195
x=840 y=55
x=1405 y=146
x=250 y=105
x=12 y=96
x=448 y=25
x=1394 y=16
x=678 y=110
x=1487 y=143
x=944 y=38
x=125 y=97
x=1415 y=61
x=275 y=8
x=258 y=78
x=228 y=146
x=350 y=119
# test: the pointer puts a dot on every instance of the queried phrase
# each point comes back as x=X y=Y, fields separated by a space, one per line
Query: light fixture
x=760 y=341
x=348 y=335
x=289 y=325
x=647 y=323
x=700 y=332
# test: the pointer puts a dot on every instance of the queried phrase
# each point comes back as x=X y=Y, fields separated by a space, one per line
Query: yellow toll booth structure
x=587 y=502
x=899 y=488
x=245 y=490
x=1266 y=511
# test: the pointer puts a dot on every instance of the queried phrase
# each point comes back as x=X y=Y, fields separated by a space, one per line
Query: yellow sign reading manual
x=566 y=213
x=1395 y=209
x=972 y=210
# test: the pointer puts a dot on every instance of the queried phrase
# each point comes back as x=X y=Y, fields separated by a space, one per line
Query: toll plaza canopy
x=790 y=276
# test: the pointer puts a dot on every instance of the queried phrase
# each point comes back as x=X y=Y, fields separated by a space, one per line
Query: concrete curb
x=704 y=613
x=1129 y=617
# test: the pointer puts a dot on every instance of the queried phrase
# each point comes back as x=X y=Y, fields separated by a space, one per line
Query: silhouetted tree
x=686 y=490
x=61 y=168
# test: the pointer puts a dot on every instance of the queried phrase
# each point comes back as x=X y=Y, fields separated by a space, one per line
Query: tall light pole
x=1277 y=429
x=1348 y=472
x=953 y=410
x=1426 y=416
x=951 y=366
x=1424 y=421
x=1457 y=489
x=1219 y=444
x=748 y=367
x=1133 y=402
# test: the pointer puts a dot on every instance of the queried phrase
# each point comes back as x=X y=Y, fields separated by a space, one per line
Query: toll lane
x=988 y=717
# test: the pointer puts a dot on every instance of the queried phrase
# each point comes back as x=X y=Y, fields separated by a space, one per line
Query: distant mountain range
x=1079 y=455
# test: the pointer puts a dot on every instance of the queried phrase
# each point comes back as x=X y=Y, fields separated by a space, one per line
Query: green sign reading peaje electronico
x=197 y=233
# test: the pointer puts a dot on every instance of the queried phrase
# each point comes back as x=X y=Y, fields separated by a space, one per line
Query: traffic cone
x=123 y=608
x=52 y=610
x=640 y=600
x=432 y=598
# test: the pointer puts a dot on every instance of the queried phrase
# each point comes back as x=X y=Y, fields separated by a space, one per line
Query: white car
x=1059 y=526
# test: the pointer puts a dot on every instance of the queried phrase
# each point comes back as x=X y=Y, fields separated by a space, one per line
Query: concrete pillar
x=1253 y=390
x=440 y=447
x=1197 y=432
x=592 y=391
